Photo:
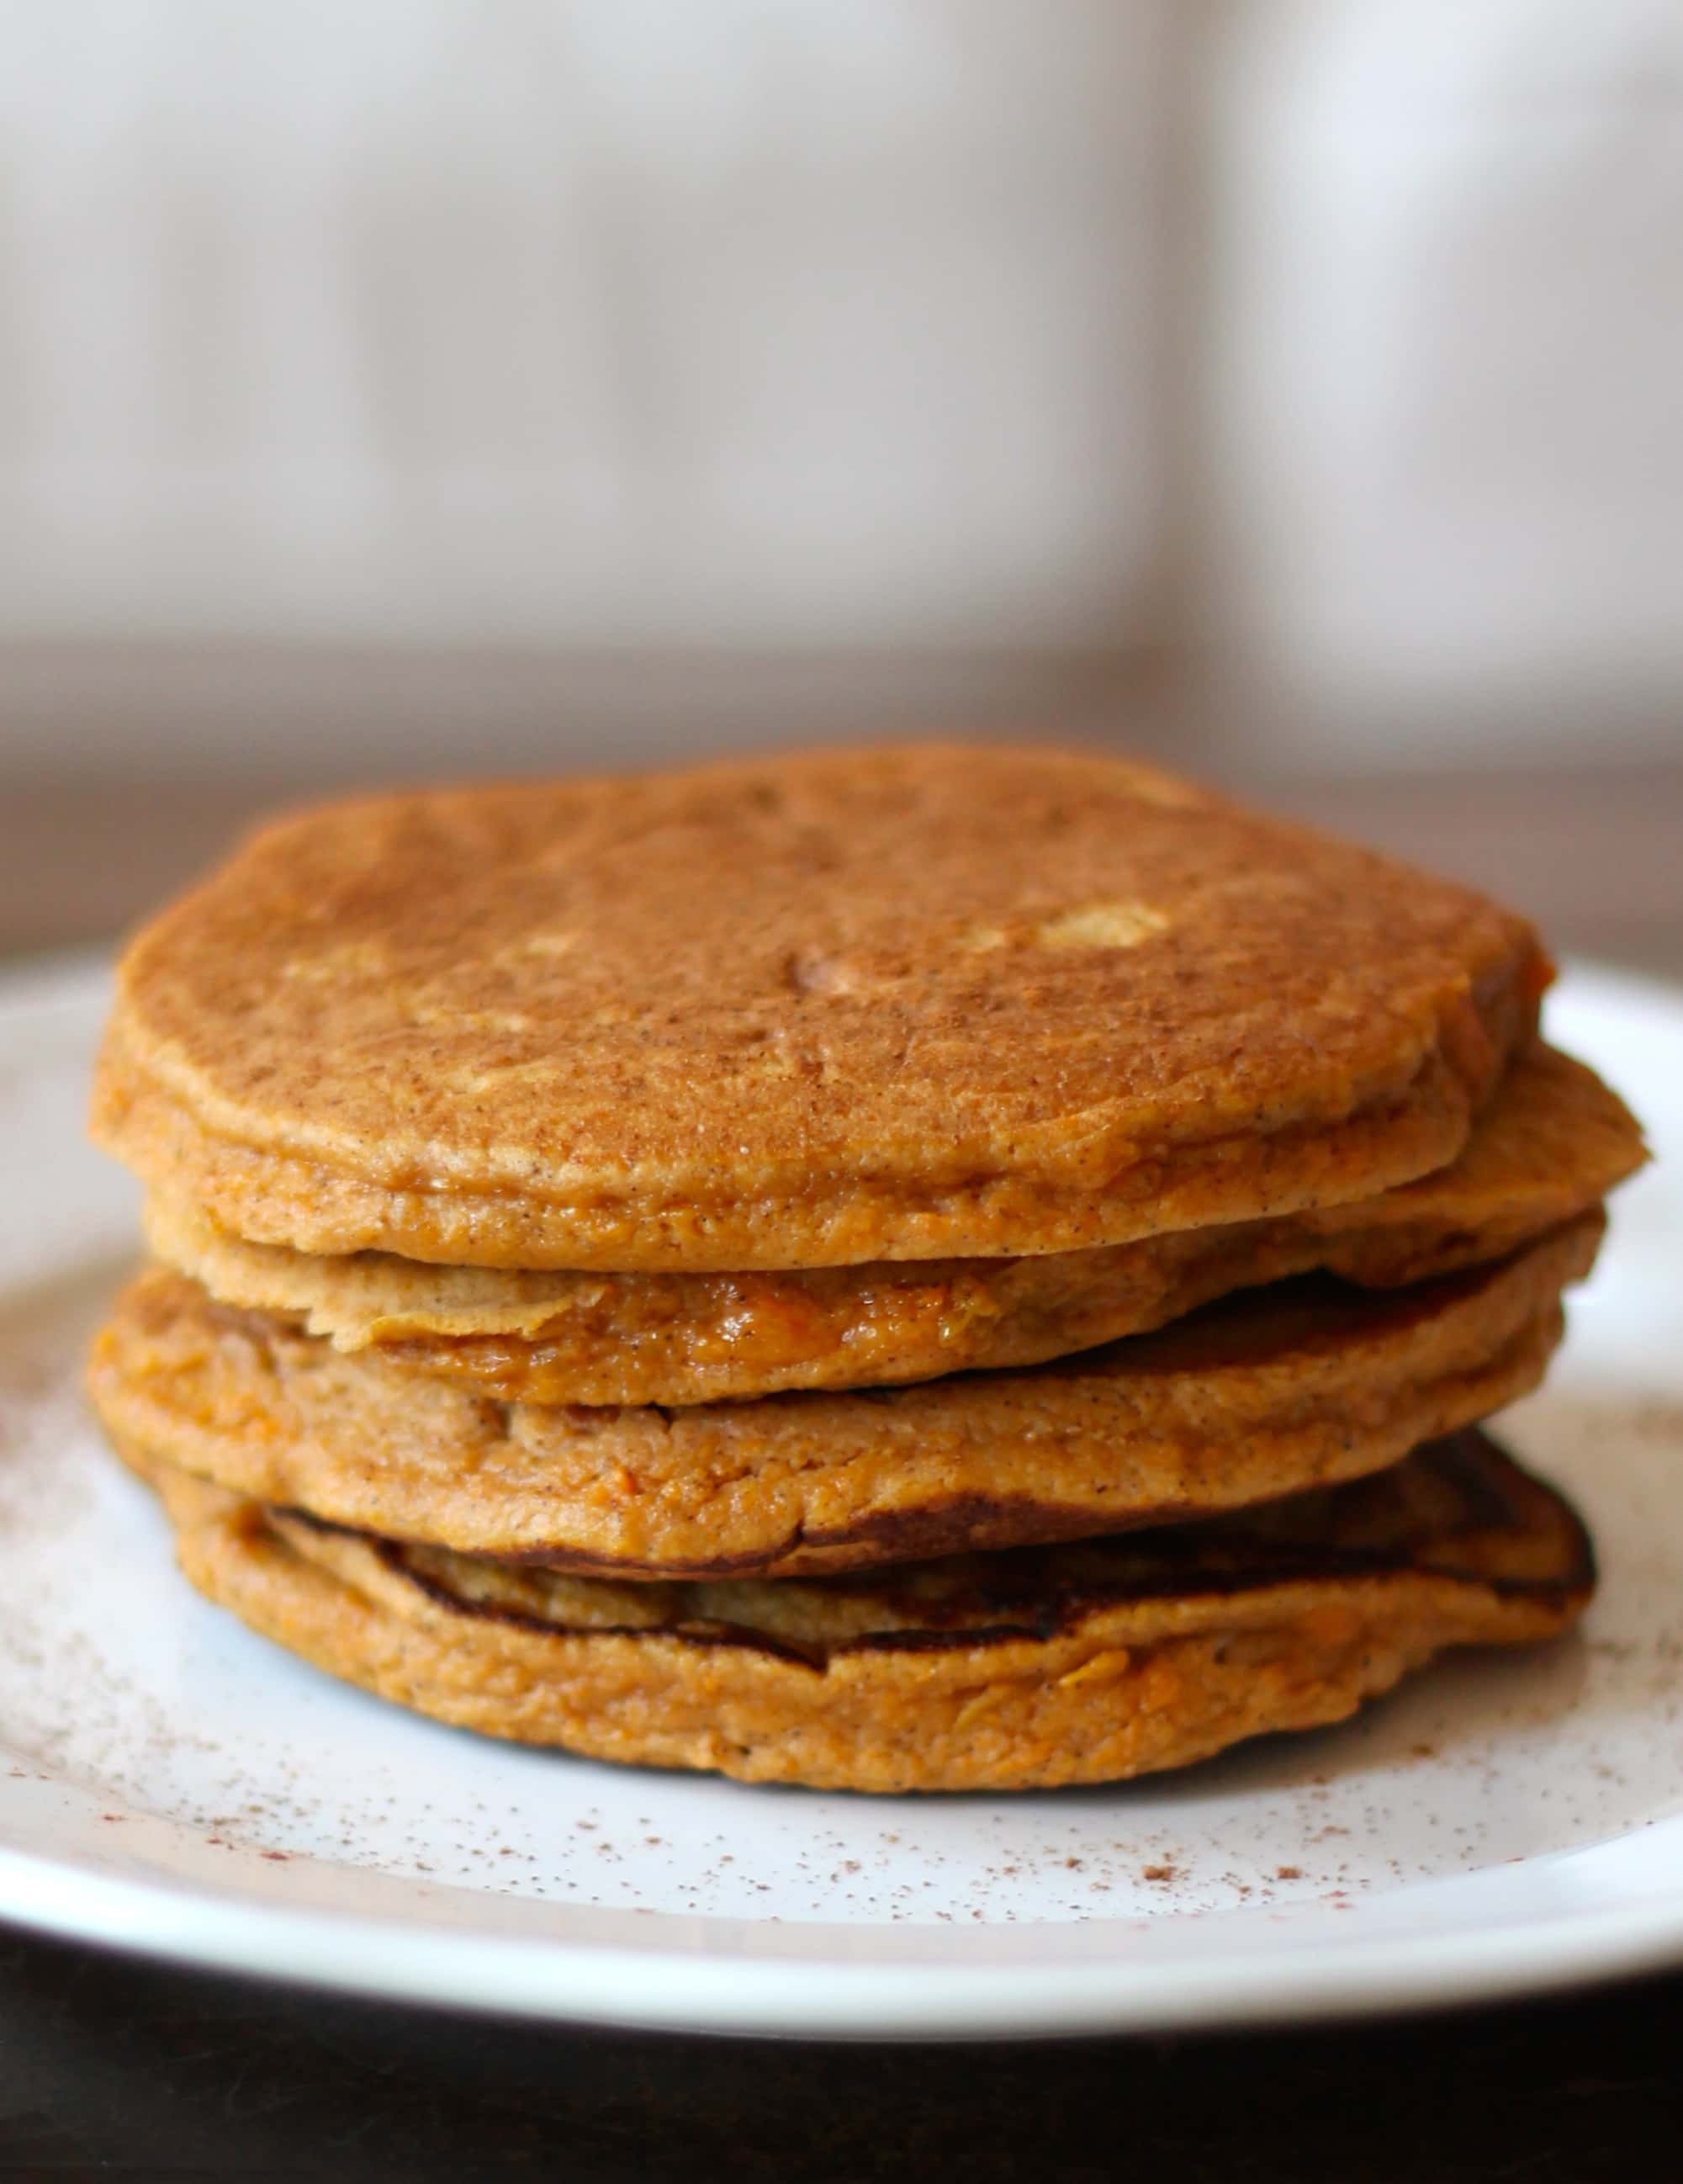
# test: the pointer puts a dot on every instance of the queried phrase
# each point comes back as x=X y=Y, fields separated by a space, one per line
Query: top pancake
x=891 y=1003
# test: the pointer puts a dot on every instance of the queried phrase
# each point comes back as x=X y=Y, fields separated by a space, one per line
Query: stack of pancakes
x=924 y=1268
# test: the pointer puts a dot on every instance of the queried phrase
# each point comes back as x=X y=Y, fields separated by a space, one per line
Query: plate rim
x=829 y=1998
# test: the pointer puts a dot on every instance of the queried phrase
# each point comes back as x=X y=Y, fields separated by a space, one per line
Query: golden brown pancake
x=1022 y=1670
x=1551 y=1146
x=1257 y=1396
x=803 y=1011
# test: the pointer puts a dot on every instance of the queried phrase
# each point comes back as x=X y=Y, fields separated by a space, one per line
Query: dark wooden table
x=113 y=2068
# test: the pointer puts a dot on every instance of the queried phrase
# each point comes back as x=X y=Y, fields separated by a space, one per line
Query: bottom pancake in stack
x=1024 y=1668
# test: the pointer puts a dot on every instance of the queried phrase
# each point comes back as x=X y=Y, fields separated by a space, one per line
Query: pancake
x=1551 y=1145
x=1257 y=1396
x=805 y=1011
x=1024 y=1670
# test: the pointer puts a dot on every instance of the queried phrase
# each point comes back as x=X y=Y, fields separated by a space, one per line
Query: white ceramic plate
x=170 y=1783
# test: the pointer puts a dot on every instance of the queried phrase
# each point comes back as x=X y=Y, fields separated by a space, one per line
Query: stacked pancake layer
x=759 y=1268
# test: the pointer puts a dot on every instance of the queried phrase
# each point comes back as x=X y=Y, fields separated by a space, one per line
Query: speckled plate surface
x=169 y=1783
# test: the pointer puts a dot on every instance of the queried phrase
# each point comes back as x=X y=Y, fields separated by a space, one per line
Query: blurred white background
x=402 y=385
x=622 y=322
x=1443 y=441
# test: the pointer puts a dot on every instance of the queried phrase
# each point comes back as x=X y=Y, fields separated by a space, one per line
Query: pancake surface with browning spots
x=1551 y=1145
x=1022 y=1670
x=1254 y=1397
x=806 y=1012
